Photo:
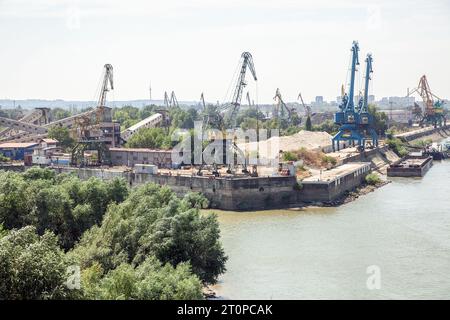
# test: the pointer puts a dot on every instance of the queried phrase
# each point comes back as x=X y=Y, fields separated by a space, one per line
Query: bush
x=148 y=281
x=422 y=143
x=373 y=179
x=298 y=186
x=289 y=156
x=328 y=160
x=3 y=158
x=312 y=158
x=397 y=146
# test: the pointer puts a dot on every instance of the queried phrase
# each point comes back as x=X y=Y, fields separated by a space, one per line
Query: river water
x=402 y=231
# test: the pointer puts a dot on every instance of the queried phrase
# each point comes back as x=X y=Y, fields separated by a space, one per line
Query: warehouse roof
x=17 y=145
x=48 y=140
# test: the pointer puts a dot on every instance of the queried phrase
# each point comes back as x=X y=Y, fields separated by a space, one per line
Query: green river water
x=402 y=228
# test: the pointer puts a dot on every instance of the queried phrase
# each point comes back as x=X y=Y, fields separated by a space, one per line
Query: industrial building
x=131 y=156
x=149 y=122
x=17 y=150
x=43 y=153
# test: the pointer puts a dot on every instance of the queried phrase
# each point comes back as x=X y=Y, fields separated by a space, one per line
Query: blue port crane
x=356 y=123
x=366 y=121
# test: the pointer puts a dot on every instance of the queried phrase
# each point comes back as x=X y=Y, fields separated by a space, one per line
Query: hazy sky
x=55 y=49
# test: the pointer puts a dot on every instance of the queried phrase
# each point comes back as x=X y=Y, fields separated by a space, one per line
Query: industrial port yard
x=224 y=155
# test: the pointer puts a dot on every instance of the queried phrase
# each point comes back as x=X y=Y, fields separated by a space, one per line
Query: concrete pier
x=247 y=193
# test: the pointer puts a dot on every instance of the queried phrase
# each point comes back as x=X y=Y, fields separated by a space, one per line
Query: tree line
x=144 y=243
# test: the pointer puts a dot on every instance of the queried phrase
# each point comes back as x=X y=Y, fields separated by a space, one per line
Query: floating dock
x=410 y=166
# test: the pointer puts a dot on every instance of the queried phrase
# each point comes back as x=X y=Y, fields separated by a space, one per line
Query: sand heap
x=311 y=140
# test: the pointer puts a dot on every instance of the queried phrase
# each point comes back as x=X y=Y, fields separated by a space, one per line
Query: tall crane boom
x=348 y=104
x=250 y=104
x=173 y=100
x=166 y=100
x=369 y=71
x=107 y=79
x=306 y=107
x=247 y=62
x=425 y=92
x=202 y=101
x=280 y=103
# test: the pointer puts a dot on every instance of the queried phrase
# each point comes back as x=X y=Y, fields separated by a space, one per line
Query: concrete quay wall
x=237 y=194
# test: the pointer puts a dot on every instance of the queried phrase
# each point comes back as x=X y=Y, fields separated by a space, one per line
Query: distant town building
x=319 y=100
x=397 y=101
x=402 y=101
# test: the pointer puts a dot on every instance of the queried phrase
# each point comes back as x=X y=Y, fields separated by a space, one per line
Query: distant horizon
x=57 y=49
x=29 y=103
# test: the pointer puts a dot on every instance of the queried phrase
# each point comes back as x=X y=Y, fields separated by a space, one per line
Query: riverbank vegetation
x=311 y=158
x=373 y=179
x=421 y=143
x=144 y=243
x=396 y=145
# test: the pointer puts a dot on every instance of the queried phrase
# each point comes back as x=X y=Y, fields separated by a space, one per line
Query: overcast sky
x=55 y=49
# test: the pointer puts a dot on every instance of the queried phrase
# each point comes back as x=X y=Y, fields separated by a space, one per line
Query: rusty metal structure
x=433 y=112
x=88 y=130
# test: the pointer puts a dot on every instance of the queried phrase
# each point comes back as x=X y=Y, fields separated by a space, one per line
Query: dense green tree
x=126 y=116
x=249 y=113
x=65 y=205
x=308 y=124
x=153 y=138
x=149 y=244
x=148 y=110
x=380 y=119
x=13 y=200
x=62 y=134
x=59 y=113
x=327 y=126
x=32 y=266
x=183 y=119
x=188 y=236
x=35 y=173
x=117 y=190
x=153 y=221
